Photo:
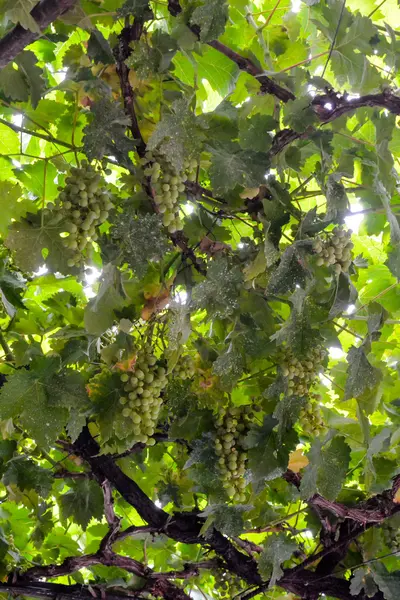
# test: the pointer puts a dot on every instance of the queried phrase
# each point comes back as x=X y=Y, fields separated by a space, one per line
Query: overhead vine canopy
x=200 y=300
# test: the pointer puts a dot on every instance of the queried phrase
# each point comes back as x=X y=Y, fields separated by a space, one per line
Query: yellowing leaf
x=297 y=461
x=396 y=498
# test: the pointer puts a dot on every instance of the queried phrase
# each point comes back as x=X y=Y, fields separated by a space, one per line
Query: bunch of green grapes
x=168 y=183
x=142 y=395
x=310 y=417
x=84 y=204
x=335 y=249
x=232 y=426
x=391 y=534
x=301 y=373
x=185 y=367
x=227 y=584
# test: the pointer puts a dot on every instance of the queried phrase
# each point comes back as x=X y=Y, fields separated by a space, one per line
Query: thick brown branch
x=18 y=38
x=183 y=527
x=267 y=85
x=121 y=53
x=51 y=591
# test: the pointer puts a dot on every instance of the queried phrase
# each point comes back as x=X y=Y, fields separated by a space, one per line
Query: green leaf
x=337 y=203
x=233 y=167
x=26 y=475
x=27 y=64
x=29 y=240
x=141 y=241
x=388 y=583
x=253 y=133
x=211 y=17
x=82 y=503
x=361 y=375
x=362 y=580
x=327 y=469
x=24 y=397
x=99 y=313
x=219 y=292
x=13 y=84
x=227 y=519
x=393 y=261
x=292 y=270
x=176 y=136
x=19 y=11
x=98 y=48
x=277 y=550
x=229 y=367
x=106 y=131
x=137 y=8
x=268 y=457
x=299 y=114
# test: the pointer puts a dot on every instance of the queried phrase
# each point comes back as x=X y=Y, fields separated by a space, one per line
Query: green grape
x=84 y=204
x=334 y=250
x=300 y=374
x=231 y=424
x=143 y=387
x=310 y=418
x=167 y=184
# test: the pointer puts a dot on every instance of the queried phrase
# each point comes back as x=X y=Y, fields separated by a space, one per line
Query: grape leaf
x=387 y=582
x=137 y=8
x=98 y=48
x=28 y=238
x=99 y=313
x=24 y=397
x=231 y=166
x=361 y=375
x=13 y=84
x=27 y=63
x=277 y=549
x=141 y=240
x=227 y=519
x=229 y=367
x=362 y=580
x=337 y=202
x=292 y=270
x=176 y=136
x=26 y=475
x=219 y=292
x=19 y=11
x=268 y=458
x=82 y=503
x=211 y=17
x=327 y=469
x=393 y=261
x=106 y=131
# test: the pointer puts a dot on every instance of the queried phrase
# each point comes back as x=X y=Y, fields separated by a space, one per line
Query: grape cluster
x=232 y=425
x=168 y=184
x=185 y=367
x=310 y=417
x=84 y=204
x=300 y=374
x=142 y=395
x=391 y=534
x=227 y=584
x=334 y=250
